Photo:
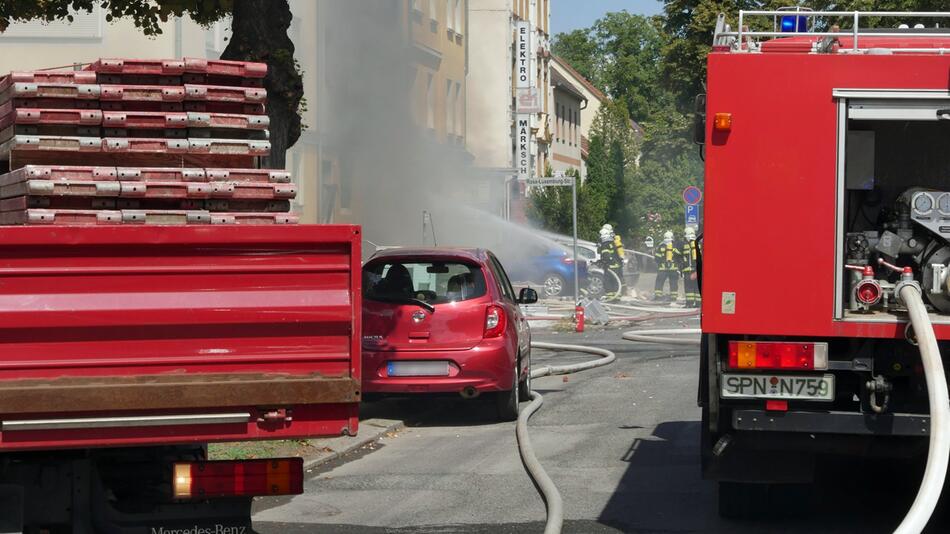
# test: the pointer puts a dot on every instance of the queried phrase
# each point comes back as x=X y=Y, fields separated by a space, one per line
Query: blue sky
x=567 y=15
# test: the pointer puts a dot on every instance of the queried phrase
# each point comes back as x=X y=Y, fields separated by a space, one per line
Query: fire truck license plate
x=796 y=387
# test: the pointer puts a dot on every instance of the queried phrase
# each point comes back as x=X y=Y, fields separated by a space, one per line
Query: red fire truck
x=827 y=186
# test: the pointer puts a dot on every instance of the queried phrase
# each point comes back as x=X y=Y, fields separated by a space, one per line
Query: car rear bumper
x=485 y=367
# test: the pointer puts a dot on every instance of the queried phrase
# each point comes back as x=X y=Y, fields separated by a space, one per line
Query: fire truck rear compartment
x=894 y=207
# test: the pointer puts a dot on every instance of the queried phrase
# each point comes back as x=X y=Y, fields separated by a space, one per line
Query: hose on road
x=666 y=335
x=549 y=492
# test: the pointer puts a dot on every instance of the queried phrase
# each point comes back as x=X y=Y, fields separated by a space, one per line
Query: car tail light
x=777 y=355
x=238 y=478
x=495 y=321
x=567 y=260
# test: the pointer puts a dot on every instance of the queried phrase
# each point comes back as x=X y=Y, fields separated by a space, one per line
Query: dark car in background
x=442 y=320
x=548 y=265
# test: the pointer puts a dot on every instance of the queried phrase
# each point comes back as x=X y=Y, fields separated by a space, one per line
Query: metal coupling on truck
x=878 y=386
x=907 y=279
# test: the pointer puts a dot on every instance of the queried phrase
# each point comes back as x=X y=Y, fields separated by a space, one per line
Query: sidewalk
x=378 y=420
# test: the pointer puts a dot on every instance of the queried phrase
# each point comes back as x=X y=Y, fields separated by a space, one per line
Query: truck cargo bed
x=118 y=335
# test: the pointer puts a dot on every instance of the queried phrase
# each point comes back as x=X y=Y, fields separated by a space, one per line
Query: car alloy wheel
x=595 y=285
x=553 y=285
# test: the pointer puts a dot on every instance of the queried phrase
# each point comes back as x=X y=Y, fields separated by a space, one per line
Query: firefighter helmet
x=668 y=236
x=690 y=233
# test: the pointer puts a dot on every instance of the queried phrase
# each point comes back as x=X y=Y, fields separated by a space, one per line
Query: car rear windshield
x=438 y=282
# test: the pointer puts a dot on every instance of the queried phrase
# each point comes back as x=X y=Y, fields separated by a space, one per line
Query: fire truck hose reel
x=939 y=452
x=549 y=492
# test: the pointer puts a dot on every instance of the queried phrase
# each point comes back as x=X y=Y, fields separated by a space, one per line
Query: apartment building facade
x=509 y=131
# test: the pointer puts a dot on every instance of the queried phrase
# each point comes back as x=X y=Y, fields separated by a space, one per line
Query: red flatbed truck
x=124 y=350
x=827 y=170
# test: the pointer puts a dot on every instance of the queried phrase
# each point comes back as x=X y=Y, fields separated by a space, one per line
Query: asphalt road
x=621 y=443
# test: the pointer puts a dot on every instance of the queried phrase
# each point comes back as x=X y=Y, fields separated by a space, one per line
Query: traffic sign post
x=692 y=215
x=692 y=196
x=562 y=181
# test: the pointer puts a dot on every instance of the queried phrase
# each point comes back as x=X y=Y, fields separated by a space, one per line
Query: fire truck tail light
x=777 y=355
x=238 y=478
x=722 y=122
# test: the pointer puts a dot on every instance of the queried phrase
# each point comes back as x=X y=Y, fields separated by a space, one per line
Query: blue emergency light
x=791 y=24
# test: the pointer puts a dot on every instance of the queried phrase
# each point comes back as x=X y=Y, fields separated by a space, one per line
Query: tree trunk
x=259 y=33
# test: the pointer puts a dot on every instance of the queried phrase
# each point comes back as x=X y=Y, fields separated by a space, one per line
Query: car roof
x=476 y=255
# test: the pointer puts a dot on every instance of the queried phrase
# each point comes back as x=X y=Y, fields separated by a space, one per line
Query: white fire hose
x=549 y=492
x=939 y=453
x=665 y=335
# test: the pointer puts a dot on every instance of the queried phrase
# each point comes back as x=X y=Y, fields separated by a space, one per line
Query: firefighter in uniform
x=609 y=259
x=690 y=283
x=618 y=247
x=667 y=268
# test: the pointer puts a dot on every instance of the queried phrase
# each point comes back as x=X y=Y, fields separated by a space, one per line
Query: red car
x=442 y=320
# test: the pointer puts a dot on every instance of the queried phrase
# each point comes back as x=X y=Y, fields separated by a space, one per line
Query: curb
x=361 y=441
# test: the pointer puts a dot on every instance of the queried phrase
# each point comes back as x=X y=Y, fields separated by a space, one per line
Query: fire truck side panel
x=770 y=187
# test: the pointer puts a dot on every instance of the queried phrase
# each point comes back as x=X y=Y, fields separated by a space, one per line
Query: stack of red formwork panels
x=139 y=141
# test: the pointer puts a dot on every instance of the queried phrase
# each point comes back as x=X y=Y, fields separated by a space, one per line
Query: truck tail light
x=777 y=355
x=722 y=122
x=495 y=321
x=238 y=478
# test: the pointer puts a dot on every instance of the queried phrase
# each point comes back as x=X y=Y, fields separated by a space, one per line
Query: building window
x=562 y=121
x=570 y=135
x=449 y=16
x=432 y=14
x=416 y=5
x=458 y=16
x=577 y=120
x=430 y=103
x=449 y=109
x=459 y=111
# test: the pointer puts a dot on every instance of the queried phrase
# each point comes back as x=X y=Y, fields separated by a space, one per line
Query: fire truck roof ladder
x=803 y=22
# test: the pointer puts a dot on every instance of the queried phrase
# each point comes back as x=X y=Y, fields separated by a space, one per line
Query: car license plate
x=794 y=387
x=409 y=368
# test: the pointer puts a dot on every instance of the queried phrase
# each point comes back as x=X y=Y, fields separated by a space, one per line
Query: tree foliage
x=259 y=33
x=689 y=26
x=620 y=54
x=625 y=56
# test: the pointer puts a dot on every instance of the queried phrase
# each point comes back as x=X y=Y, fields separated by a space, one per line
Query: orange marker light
x=722 y=122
